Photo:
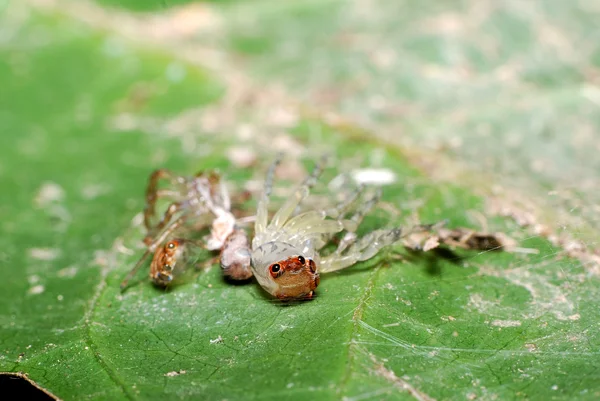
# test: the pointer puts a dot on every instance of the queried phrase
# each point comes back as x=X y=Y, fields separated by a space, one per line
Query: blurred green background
x=486 y=111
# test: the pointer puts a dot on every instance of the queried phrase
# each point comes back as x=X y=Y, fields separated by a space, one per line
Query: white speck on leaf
x=241 y=156
x=506 y=323
x=175 y=373
x=217 y=340
x=38 y=289
x=49 y=192
x=101 y=257
x=67 y=272
x=92 y=191
x=376 y=176
x=44 y=253
x=531 y=347
x=476 y=301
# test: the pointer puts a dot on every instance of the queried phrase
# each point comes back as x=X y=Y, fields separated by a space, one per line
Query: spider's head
x=284 y=271
x=164 y=262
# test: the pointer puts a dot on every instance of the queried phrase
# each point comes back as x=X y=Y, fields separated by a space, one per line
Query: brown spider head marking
x=296 y=277
x=164 y=262
x=286 y=271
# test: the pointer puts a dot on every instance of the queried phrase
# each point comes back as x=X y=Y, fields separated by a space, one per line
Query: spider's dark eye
x=171 y=245
x=301 y=259
x=275 y=268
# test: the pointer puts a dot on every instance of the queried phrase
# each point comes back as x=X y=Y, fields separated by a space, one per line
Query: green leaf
x=93 y=99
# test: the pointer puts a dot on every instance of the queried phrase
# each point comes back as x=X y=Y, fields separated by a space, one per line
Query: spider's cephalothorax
x=285 y=251
x=295 y=276
x=165 y=261
x=284 y=271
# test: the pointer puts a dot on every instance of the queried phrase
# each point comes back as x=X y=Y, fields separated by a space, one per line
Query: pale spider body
x=286 y=258
x=195 y=203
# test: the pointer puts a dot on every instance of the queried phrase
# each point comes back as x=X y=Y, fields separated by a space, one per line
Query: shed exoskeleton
x=195 y=203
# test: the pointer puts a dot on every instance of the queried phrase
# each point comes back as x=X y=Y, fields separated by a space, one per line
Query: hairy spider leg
x=153 y=193
x=164 y=222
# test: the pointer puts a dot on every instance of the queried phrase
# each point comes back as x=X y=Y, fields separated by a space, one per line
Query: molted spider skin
x=235 y=256
x=196 y=203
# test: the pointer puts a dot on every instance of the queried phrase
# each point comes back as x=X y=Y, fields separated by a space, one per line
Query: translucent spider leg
x=262 y=213
x=224 y=222
x=344 y=205
x=286 y=210
x=365 y=208
x=134 y=270
x=169 y=213
x=363 y=249
x=368 y=246
x=225 y=198
x=219 y=202
x=351 y=224
x=338 y=212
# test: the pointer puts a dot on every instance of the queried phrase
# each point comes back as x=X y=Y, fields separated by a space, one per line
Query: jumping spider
x=286 y=252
